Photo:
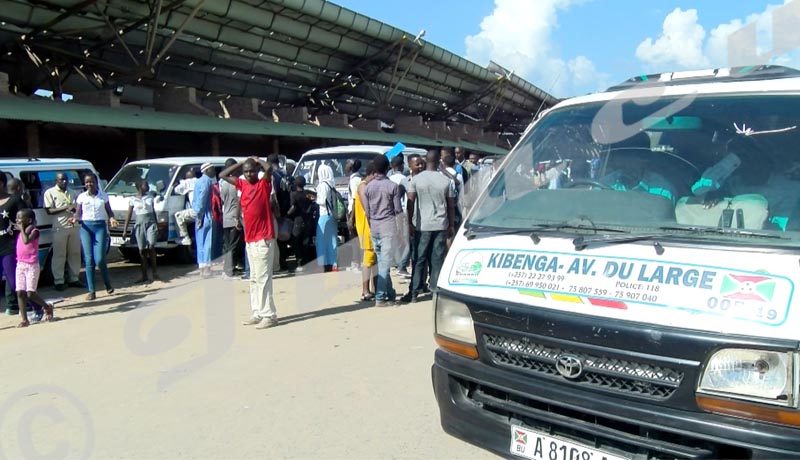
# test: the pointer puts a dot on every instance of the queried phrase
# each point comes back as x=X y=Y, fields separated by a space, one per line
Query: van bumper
x=479 y=403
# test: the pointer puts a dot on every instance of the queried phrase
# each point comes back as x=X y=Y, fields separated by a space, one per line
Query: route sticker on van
x=620 y=283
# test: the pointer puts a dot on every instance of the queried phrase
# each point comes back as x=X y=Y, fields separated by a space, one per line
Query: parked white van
x=38 y=175
x=336 y=158
x=163 y=175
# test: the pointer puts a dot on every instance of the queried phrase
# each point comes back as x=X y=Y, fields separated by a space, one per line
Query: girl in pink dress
x=28 y=266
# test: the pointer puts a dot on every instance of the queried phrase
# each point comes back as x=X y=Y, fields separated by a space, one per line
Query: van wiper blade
x=583 y=243
x=722 y=231
x=480 y=231
x=476 y=231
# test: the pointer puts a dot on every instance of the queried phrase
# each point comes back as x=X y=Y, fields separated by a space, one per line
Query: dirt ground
x=166 y=370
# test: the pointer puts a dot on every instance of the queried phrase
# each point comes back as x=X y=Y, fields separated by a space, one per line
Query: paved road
x=167 y=371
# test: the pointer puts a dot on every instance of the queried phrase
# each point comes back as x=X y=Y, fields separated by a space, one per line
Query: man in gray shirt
x=232 y=235
x=382 y=205
x=430 y=196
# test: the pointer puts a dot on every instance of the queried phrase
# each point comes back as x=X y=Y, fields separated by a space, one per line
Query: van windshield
x=662 y=167
x=158 y=176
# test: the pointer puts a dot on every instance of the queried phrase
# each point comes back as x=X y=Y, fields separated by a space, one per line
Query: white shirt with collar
x=93 y=207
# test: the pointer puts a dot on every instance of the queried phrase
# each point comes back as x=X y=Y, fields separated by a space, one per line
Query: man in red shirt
x=259 y=236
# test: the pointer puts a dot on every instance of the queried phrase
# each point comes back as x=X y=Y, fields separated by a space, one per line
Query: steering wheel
x=589 y=182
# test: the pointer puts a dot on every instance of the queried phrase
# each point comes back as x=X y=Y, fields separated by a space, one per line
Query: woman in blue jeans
x=94 y=213
x=326 y=225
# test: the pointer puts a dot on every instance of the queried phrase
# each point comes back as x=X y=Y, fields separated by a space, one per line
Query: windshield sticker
x=618 y=283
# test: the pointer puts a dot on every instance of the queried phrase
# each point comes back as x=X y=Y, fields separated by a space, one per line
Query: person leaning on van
x=59 y=201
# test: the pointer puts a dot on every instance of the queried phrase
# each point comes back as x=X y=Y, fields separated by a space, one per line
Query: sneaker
x=246 y=276
x=404 y=273
x=60 y=287
x=267 y=323
x=299 y=270
x=186 y=241
x=252 y=321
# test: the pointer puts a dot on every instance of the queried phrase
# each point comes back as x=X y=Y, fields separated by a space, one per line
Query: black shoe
x=76 y=284
x=60 y=287
x=409 y=298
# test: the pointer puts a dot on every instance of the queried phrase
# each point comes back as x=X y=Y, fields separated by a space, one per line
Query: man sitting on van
x=187 y=216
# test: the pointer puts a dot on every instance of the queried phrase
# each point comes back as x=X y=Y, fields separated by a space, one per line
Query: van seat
x=754 y=210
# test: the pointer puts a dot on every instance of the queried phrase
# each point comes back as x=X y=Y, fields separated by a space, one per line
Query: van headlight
x=455 y=330
x=753 y=384
x=767 y=376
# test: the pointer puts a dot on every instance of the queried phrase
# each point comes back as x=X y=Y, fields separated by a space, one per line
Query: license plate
x=119 y=241
x=539 y=446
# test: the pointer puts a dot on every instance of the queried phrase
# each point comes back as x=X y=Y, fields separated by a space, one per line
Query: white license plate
x=539 y=446
x=119 y=241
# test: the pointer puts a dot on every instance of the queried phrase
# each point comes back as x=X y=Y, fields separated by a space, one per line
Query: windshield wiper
x=722 y=231
x=479 y=231
x=476 y=231
x=583 y=243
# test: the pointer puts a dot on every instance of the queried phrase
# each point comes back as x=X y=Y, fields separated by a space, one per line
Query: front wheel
x=130 y=254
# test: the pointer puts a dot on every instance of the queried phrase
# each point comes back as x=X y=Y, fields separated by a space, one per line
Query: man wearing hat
x=204 y=222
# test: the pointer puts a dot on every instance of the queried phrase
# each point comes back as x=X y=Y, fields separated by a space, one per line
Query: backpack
x=336 y=205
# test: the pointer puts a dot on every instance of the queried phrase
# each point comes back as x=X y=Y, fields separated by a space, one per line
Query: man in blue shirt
x=204 y=222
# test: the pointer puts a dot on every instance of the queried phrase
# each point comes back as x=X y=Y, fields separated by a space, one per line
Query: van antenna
x=535 y=115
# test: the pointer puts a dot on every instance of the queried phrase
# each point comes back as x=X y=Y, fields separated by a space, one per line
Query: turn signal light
x=459 y=348
x=781 y=416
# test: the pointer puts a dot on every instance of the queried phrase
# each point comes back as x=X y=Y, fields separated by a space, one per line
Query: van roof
x=362 y=149
x=186 y=160
x=49 y=162
x=695 y=83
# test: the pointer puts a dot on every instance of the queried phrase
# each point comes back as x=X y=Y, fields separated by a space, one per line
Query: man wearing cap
x=204 y=222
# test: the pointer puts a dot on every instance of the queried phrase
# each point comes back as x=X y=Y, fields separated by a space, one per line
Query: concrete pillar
x=32 y=133
x=244 y=108
x=141 y=145
x=5 y=89
x=104 y=98
x=292 y=114
x=215 y=145
x=179 y=100
x=336 y=120
x=367 y=125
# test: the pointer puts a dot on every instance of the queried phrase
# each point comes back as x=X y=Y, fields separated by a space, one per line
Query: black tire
x=130 y=254
x=46 y=274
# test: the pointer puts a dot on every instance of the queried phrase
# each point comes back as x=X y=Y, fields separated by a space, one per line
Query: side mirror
x=160 y=187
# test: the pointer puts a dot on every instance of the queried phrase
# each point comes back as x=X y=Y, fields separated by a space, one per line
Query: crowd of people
x=402 y=210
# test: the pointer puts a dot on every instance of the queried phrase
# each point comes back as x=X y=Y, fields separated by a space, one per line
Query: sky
x=573 y=47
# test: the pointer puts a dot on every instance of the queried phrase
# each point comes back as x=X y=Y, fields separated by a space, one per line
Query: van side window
x=37 y=182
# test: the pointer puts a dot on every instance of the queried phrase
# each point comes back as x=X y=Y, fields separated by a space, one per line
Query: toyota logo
x=569 y=366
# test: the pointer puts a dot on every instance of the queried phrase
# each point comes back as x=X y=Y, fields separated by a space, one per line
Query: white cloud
x=769 y=36
x=526 y=46
x=680 y=42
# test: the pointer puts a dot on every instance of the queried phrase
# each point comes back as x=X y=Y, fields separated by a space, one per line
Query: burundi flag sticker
x=748 y=287
x=520 y=437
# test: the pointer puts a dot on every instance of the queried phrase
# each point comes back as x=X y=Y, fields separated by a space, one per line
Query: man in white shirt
x=401 y=244
x=186 y=216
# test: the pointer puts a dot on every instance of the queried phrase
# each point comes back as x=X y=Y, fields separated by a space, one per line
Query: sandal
x=91 y=296
x=24 y=324
x=367 y=297
x=48 y=312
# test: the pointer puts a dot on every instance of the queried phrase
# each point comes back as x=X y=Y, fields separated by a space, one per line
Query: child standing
x=145 y=229
x=27 y=278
